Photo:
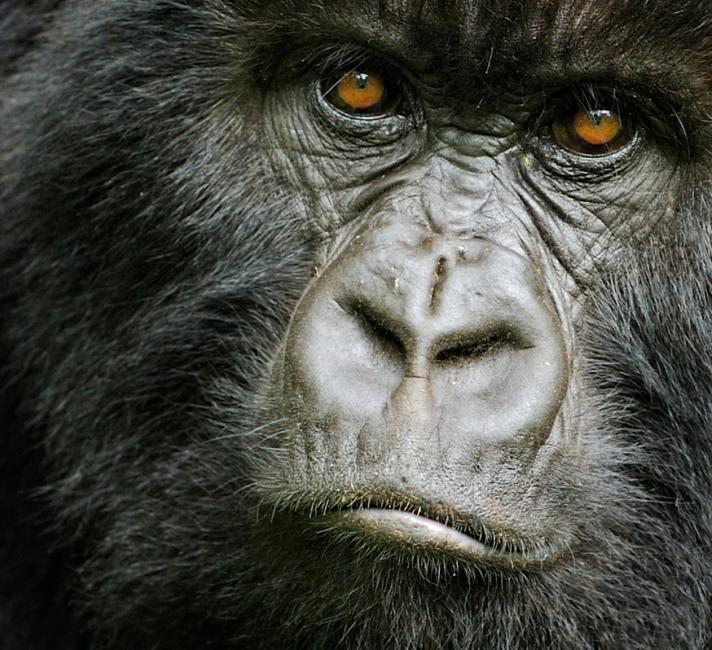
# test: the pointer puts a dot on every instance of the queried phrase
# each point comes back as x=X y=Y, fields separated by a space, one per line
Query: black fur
x=149 y=263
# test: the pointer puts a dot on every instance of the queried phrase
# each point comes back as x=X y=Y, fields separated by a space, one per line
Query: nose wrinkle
x=418 y=353
x=437 y=287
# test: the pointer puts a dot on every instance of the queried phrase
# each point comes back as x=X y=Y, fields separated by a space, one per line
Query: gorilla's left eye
x=592 y=131
x=363 y=91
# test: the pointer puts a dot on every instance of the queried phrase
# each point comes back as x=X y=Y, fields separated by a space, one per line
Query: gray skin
x=430 y=377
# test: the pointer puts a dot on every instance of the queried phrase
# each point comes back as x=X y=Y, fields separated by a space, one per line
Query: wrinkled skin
x=279 y=373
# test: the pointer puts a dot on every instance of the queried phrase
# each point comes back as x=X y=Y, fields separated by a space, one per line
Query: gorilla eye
x=591 y=131
x=363 y=91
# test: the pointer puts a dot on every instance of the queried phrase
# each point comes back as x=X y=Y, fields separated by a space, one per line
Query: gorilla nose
x=403 y=333
x=429 y=318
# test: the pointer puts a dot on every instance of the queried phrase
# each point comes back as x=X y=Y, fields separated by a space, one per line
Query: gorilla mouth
x=418 y=529
x=429 y=529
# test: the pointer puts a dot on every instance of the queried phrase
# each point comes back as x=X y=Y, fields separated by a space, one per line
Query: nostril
x=469 y=349
x=378 y=329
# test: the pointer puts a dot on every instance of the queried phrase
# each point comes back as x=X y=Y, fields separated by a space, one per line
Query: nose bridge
x=462 y=195
x=414 y=279
x=434 y=291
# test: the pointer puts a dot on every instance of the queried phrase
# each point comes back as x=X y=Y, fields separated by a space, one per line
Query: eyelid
x=558 y=114
x=398 y=102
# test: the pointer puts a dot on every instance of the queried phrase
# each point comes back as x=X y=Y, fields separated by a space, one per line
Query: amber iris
x=595 y=132
x=360 y=91
x=597 y=127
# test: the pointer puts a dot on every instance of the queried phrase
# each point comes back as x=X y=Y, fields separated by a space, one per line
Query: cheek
x=333 y=165
x=587 y=223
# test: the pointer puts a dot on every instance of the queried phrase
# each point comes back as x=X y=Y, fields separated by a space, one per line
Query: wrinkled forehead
x=522 y=39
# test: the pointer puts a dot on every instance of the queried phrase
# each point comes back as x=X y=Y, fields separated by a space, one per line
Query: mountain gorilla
x=356 y=324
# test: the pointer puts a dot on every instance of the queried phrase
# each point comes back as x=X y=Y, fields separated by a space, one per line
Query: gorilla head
x=356 y=324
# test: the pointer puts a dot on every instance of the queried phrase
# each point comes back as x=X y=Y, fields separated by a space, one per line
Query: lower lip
x=407 y=526
x=410 y=528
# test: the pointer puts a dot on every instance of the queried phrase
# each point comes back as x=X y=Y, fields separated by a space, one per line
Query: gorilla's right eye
x=367 y=91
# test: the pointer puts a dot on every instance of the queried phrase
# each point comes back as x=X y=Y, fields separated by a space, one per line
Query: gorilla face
x=430 y=392
x=356 y=324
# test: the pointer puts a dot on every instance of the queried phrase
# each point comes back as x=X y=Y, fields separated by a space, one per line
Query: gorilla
x=356 y=324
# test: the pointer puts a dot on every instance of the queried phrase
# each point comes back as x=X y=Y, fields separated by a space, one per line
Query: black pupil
x=596 y=117
x=361 y=80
